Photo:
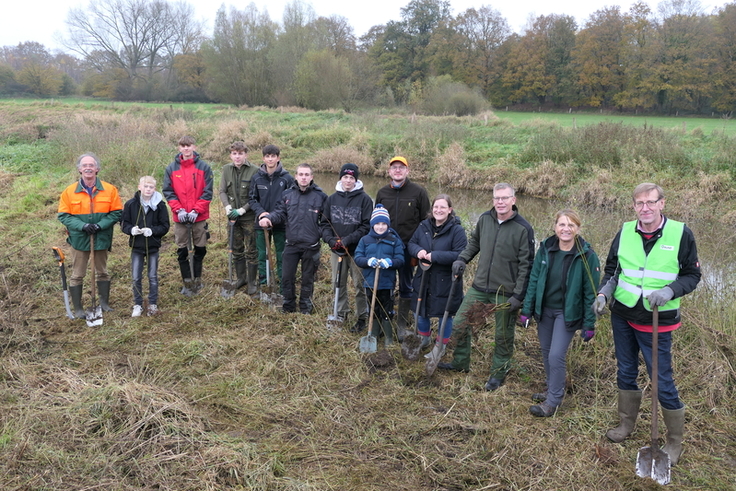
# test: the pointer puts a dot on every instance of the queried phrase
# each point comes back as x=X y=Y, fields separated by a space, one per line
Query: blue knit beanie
x=380 y=214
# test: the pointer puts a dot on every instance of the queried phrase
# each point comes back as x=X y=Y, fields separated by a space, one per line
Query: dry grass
x=220 y=393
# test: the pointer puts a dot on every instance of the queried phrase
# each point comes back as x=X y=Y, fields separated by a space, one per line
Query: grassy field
x=218 y=393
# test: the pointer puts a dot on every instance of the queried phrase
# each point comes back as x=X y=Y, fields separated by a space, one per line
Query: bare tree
x=141 y=37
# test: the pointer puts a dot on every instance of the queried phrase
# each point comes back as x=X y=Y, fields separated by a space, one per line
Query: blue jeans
x=423 y=326
x=629 y=342
x=554 y=339
x=136 y=265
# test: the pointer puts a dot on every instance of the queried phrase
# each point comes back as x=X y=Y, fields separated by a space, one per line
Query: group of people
x=652 y=262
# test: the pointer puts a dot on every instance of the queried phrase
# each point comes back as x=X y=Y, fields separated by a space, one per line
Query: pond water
x=716 y=252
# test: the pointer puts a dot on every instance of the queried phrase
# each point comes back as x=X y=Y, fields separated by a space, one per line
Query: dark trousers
x=293 y=254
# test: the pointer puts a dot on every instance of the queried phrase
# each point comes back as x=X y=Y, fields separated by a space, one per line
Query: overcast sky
x=43 y=20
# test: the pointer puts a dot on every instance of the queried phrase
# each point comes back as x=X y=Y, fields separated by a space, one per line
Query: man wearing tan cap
x=407 y=204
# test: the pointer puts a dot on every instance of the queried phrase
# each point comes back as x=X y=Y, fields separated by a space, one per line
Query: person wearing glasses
x=653 y=261
x=504 y=241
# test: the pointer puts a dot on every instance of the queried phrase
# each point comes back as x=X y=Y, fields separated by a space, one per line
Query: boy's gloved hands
x=147 y=232
x=182 y=215
x=373 y=262
x=384 y=263
x=192 y=216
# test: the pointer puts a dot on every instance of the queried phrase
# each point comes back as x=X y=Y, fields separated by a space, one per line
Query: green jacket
x=506 y=254
x=580 y=277
x=235 y=186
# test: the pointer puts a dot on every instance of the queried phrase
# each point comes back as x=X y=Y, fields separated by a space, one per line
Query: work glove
x=599 y=306
x=147 y=232
x=337 y=246
x=384 y=263
x=586 y=335
x=241 y=211
x=192 y=216
x=233 y=215
x=514 y=304
x=372 y=262
x=91 y=228
x=136 y=231
x=228 y=209
x=458 y=267
x=660 y=297
x=182 y=215
x=524 y=320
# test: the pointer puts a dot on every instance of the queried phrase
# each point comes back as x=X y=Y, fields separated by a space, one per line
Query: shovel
x=334 y=322
x=268 y=296
x=59 y=255
x=94 y=313
x=369 y=343
x=653 y=462
x=228 y=285
x=412 y=344
x=434 y=356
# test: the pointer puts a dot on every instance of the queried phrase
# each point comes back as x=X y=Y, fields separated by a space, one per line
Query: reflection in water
x=599 y=226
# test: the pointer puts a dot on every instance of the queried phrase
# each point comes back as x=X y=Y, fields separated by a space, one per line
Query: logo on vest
x=667 y=247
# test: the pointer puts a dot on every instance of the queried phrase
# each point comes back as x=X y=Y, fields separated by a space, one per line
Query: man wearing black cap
x=345 y=219
x=407 y=204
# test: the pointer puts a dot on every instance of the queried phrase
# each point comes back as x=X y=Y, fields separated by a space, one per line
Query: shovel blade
x=653 y=463
x=228 y=289
x=411 y=346
x=94 y=317
x=433 y=359
x=334 y=324
x=368 y=344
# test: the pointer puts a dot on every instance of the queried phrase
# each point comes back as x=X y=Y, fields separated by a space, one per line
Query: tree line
x=675 y=58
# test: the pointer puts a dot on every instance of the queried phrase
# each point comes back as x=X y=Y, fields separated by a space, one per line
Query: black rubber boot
x=76 y=293
x=241 y=273
x=388 y=332
x=403 y=319
x=104 y=288
x=253 y=283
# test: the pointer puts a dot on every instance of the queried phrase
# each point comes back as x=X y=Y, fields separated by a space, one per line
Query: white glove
x=228 y=209
x=147 y=232
x=136 y=231
x=372 y=262
x=241 y=211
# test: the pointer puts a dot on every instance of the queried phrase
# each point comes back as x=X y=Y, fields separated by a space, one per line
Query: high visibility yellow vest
x=641 y=274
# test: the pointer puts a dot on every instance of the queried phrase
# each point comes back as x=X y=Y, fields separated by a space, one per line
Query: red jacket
x=188 y=184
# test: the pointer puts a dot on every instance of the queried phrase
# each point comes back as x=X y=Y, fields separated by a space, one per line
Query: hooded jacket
x=155 y=216
x=266 y=190
x=506 y=253
x=580 y=277
x=78 y=208
x=445 y=243
x=188 y=184
x=347 y=216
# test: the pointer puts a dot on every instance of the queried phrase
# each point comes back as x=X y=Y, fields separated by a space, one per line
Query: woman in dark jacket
x=562 y=287
x=438 y=240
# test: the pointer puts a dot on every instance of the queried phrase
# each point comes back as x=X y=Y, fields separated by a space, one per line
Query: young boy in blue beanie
x=381 y=252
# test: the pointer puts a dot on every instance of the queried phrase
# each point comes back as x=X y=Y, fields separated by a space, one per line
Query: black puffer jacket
x=347 y=216
x=445 y=243
x=266 y=190
x=156 y=217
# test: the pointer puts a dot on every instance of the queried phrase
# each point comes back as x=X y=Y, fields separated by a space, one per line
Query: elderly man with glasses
x=653 y=261
x=504 y=241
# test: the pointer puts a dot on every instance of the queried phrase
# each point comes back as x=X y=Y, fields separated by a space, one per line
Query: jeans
x=136 y=265
x=628 y=343
x=554 y=339
x=423 y=326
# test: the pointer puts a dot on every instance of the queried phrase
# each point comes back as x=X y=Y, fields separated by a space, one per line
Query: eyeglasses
x=502 y=198
x=650 y=204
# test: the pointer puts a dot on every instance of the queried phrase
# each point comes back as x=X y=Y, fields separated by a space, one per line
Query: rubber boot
x=241 y=273
x=628 y=409
x=376 y=328
x=253 y=283
x=76 y=293
x=104 y=288
x=403 y=318
x=199 y=254
x=674 y=419
x=188 y=288
x=197 y=285
x=388 y=332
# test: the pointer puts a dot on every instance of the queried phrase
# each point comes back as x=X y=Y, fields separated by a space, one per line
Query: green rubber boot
x=76 y=293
